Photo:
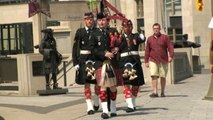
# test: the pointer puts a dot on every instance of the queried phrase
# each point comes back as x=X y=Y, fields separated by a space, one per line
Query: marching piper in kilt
x=105 y=63
x=130 y=64
x=83 y=62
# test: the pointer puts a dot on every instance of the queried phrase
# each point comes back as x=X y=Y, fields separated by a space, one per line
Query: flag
x=34 y=7
x=37 y=6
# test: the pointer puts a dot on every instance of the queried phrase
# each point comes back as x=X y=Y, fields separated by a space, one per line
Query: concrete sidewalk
x=183 y=102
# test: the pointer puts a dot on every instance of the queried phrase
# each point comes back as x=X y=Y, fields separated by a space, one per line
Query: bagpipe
x=105 y=8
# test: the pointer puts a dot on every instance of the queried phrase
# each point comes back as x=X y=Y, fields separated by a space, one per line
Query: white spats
x=104 y=107
x=89 y=105
x=129 y=103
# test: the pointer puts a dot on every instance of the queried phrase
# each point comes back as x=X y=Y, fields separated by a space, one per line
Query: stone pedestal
x=29 y=80
x=52 y=92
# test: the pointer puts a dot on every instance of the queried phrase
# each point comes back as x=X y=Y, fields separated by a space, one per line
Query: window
x=140 y=20
x=140 y=12
x=174 y=19
x=173 y=7
x=140 y=15
x=16 y=38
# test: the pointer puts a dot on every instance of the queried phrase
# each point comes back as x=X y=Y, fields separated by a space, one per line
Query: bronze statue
x=185 y=43
x=51 y=57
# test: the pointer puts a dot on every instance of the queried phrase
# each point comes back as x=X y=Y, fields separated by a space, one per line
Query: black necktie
x=88 y=31
x=103 y=32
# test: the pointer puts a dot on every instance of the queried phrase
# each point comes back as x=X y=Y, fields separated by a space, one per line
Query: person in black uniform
x=83 y=62
x=130 y=63
x=115 y=40
x=185 y=43
x=104 y=65
x=50 y=57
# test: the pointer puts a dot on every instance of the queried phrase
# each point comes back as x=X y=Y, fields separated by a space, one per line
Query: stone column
x=37 y=27
x=149 y=16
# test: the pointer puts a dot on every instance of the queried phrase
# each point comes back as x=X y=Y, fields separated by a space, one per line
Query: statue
x=185 y=43
x=51 y=58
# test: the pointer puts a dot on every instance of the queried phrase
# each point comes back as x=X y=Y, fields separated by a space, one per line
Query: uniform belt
x=85 y=52
x=129 y=53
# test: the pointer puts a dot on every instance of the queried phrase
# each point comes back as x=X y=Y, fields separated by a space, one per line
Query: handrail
x=65 y=71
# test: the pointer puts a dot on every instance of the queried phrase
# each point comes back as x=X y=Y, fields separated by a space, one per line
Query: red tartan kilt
x=119 y=76
x=98 y=75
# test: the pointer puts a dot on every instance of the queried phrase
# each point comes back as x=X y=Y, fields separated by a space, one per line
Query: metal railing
x=64 y=70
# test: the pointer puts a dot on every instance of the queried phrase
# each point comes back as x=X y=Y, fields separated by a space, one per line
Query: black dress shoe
x=96 y=108
x=104 y=116
x=113 y=114
x=90 y=112
x=129 y=110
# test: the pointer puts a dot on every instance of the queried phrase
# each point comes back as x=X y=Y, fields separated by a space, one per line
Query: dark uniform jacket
x=123 y=48
x=134 y=42
x=82 y=41
x=100 y=44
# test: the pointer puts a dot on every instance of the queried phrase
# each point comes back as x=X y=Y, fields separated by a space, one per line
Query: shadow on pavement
x=44 y=110
x=133 y=114
x=176 y=96
x=144 y=91
x=140 y=111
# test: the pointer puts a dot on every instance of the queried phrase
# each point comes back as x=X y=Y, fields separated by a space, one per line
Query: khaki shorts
x=159 y=70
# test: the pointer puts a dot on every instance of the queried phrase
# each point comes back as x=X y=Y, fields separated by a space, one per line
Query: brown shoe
x=153 y=95
x=162 y=95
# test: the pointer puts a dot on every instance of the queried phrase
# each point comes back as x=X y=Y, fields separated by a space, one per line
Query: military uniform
x=84 y=62
x=130 y=64
x=129 y=55
x=82 y=54
x=101 y=43
x=104 y=65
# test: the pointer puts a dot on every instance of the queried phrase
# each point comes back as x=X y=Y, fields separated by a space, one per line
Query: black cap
x=88 y=14
x=101 y=16
x=126 y=22
x=48 y=30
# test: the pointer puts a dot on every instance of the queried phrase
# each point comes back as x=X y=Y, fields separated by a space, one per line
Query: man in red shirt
x=157 y=58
